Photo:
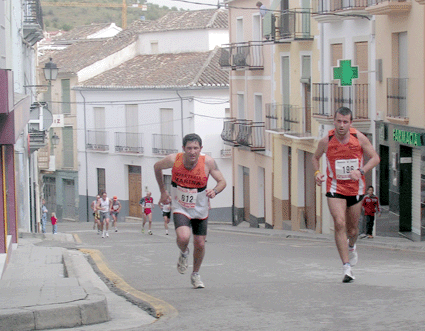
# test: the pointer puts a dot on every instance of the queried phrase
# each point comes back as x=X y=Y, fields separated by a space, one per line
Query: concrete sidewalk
x=52 y=287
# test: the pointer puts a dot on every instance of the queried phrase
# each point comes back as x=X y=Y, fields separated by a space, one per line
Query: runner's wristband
x=317 y=171
x=361 y=171
x=215 y=191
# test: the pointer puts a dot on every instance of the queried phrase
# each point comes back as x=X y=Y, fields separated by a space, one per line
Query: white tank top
x=104 y=204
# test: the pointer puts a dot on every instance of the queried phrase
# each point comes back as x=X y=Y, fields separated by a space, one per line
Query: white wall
x=116 y=165
x=182 y=41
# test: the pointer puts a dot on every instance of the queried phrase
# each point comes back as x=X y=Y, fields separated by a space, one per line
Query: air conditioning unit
x=126 y=149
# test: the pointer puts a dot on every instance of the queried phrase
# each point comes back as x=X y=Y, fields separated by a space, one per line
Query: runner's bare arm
x=321 y=149
x=369 y=151
x=166 y=163
x=217 y=175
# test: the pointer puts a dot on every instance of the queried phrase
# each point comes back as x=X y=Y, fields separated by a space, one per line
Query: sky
x=185 y=5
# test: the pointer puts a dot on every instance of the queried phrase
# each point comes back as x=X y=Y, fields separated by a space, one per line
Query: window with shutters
x=66 y=96
x=101 y=181
x=361 y=87
x=68 y=147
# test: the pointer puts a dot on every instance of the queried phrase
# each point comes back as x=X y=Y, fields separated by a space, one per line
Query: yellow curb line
x=77 y=238
x=161 y=307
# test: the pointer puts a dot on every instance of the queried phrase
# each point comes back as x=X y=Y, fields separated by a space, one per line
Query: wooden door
x=246 y=198
x=134 y=190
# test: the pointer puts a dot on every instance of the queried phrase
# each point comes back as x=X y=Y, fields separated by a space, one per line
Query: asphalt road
x=256 y=282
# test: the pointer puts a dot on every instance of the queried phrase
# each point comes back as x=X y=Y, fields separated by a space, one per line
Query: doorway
x=69 y=199
x=134 y=190
x=405 y=197
x=246 y=197
x=384 y=177
x=309 y=192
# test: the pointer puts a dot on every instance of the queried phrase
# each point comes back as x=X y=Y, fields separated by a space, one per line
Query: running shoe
x=369 y=236
x=107 y=234
x=143 y=230
x=103 y=234
x=182 y=264
x=362 y=236
x=348 y=274
x=352 y=255
x=116 y=230
x=196 y=281
x=150 y=232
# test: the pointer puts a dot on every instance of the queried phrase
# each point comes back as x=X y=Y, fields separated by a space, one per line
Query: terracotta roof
x=81 y=32
x=186 y=20
x=164 y=71
x=86 y=52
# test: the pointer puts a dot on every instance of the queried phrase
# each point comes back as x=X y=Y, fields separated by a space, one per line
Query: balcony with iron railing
x=327 y=97
x=33 y=21
x=97 y=140
x=244 y=133
x=397 y=98
x=242 y=56
x=289 y=25
x=290 y=120
x=251 y=135
x=164 y=144
x=325 y=10
x=229 y=132
x=129 y=142
x=388 y=7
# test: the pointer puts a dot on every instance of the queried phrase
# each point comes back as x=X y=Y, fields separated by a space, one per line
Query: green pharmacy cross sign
x=345 y=72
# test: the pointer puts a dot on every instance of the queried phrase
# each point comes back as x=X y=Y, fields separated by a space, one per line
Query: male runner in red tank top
x=345 y=184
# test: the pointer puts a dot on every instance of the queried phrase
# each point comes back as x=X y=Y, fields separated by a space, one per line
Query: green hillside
x=68 y=17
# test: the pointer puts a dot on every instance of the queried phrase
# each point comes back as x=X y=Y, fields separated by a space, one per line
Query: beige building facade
x=400 y=126
x=249 y=61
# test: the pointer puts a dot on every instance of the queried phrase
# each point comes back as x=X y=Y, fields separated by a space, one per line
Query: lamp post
x=50 y=71
x=55 y=139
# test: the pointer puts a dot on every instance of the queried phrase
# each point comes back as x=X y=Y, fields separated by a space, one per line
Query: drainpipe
x=85 y=156
x=181 y=111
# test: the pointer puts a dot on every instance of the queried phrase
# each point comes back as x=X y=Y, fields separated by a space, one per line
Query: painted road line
x=162 y=308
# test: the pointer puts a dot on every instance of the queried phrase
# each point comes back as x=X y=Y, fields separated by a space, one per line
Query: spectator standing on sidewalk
x=54 y=221
x=44 y=212
x=370 y=205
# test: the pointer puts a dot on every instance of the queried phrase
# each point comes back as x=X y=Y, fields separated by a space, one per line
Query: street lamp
x=50 y=71
x=55 y=139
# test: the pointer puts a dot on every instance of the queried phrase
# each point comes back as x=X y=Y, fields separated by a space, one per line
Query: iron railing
x=328 y=6
x=97 y=140
x=164 y=144
x=246 y=55
x=376 y=2
x=327 y=97
x=129 y=142
x=251 y=134
x=33 y=21
x=291 y=24
x=397 y=97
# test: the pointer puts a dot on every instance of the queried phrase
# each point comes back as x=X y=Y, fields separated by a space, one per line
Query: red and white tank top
x=341 y=160
x=188 y=190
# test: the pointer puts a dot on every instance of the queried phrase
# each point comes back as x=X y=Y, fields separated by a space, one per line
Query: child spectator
x=54 y=223
x=370 y=204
